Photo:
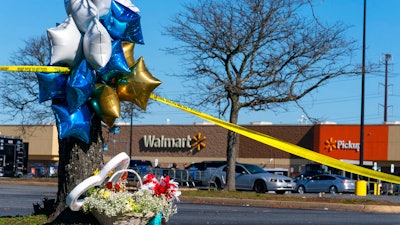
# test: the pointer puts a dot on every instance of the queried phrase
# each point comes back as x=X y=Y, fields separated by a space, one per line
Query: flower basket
x=147 y=204
x=153 y=203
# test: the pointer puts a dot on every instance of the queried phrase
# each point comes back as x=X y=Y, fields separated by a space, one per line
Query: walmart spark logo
x=198 y=141
x=330 y=144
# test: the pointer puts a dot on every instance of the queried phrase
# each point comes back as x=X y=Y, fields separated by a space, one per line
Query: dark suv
x=142 y=167
x=206 y=164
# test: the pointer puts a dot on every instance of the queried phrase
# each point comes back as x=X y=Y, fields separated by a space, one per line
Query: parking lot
x=202 y=179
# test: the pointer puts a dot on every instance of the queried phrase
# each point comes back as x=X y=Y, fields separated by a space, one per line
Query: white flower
x=152 y=198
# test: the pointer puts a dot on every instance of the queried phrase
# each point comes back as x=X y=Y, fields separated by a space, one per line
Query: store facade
x=184 y=144
x=342 y=142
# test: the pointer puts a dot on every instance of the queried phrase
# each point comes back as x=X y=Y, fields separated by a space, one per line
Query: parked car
x=279 y=171
x=202 y=172
x=140 y=166
x=325 y=183
x=396 y=189
x=205 y=164
x=253 y=177
x=387 y=188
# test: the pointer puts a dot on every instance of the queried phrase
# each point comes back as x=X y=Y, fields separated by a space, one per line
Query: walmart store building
x=184 y=144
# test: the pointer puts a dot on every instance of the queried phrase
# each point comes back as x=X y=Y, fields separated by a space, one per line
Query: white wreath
x=119 y=162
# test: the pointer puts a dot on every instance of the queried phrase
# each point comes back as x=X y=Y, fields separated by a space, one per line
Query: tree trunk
x=77 y=161
x=231 y=158
x=231 y=150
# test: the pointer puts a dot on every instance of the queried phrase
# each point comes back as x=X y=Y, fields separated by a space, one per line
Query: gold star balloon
x=128 y=52
x=106 y=104
x=137 y=85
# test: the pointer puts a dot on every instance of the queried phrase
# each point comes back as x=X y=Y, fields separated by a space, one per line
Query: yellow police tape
x=285 y=146
x=35 y=69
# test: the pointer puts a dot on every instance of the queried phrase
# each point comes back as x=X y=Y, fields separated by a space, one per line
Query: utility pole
x=131 y=133
x=387 y=58
x=363 y=88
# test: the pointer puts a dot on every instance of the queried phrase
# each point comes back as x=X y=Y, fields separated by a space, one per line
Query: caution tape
x=285 y=146
x=35 y=69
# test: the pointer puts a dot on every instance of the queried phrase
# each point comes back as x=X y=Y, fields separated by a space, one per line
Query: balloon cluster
x=96 y=42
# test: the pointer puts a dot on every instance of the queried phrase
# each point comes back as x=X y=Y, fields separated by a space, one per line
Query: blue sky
x=339 y=101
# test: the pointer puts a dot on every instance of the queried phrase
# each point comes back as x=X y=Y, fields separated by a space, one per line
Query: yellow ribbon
x=35 y=69
x=285 y=146
x=260 y=137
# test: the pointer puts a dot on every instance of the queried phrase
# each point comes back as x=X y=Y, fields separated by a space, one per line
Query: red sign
x=343 y=141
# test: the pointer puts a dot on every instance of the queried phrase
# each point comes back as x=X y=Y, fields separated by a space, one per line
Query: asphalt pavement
x=381 y=208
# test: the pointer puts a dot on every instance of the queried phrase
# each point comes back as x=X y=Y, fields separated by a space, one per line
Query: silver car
x=253 y=177
x=325 y=183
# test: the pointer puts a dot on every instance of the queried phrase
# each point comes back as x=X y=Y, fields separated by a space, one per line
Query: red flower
x=165 y=187
x=160 y=189
x=117 y=187
x=109 y=185
x=149 y=178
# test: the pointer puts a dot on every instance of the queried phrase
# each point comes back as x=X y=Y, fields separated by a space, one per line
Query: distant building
x=184 y=144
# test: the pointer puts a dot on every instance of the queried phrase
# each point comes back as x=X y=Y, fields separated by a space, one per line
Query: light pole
x=387 y=58
x=131 y=132
x=363 y=89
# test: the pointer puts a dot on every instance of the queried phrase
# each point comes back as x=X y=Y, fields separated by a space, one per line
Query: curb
x=36 y=183
x=292 y=204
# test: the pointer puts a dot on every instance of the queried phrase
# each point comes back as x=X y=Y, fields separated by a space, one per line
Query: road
x=19 y=199
x=202 y=214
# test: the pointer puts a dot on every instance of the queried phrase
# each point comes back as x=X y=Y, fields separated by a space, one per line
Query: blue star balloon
x=115 y=28
x=123 y=24
x=80 y=86
x=51 y=85
x=76 y=124
x=116 y=65
x=133 y=32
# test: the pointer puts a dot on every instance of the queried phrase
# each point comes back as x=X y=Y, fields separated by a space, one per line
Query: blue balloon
x=115 y=28
x=115 y=130
x=116 y=65
x=123 y=24
x=80 y=86
x=51 y=85
x=133 y=33
x=123 y=13
x=76 y=124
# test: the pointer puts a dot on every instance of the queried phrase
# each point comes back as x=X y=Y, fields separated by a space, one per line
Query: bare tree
x=256 y=55
x=20 y=90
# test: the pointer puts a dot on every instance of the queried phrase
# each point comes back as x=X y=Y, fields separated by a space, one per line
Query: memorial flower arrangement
x=153 y=198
